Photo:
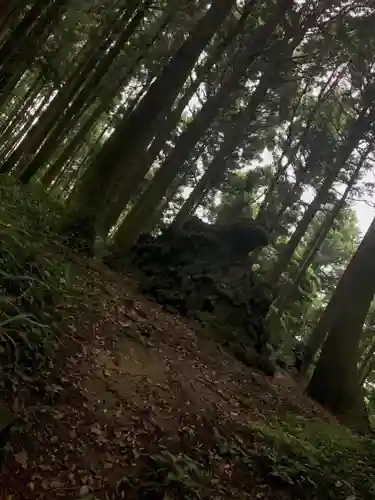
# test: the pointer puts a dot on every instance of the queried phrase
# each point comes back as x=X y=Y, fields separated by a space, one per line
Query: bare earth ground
x=130 y=382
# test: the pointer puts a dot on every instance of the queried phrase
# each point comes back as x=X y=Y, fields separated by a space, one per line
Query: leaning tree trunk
x=105 y=103
x=199 y=192
x=357 y=130
x=290 y=290
x=25 y=42
x=367 y=362
x=102 y=178
x=65 y=109
x=335 y=383
x=133 y=223
x=147 y=203
x=166 y=126
x=316 y=339
x=134 y=174
x=289 y=153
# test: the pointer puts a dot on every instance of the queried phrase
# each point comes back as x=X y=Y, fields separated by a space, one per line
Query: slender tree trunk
x=105 y=103
x=189 y=138
x=335 y=383
x=290 y=290
x=81 y=101
x=166 y=127
x=52 y=114
x=24 y=43
x=215 y=171
x=265 y=212
x=367 y=363
x=10 y=144
x=72 y=146
x=138 y=128
x=20 y=33
x=19 y=111
x=357 y=130
x=132 y=225
x=197 y=195
x=10 y=15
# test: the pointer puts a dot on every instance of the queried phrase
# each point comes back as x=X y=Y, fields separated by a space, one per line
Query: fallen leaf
x=21 y=458
x=96 y=430
x=84 y=490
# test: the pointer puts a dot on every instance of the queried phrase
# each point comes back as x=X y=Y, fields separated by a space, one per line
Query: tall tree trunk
x=22 y=31
x=366 y=362
x=133 y=223
x=290 y=290
x=73 y=145
x=187 y=141
x=84 y=68
x=80 y=102
x=138 y=128
x=10 y=143
x=105 y=103
x=10 y=15
x=24 y=43
x=265 y=212
x=199 y=192
x=335 y=383
x=357 y=131
x=19 y=111
x=165 y=128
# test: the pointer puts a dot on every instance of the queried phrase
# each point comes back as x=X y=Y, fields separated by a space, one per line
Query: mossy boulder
x=200 y=267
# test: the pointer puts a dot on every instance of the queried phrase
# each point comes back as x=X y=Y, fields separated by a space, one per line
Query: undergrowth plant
x=32 y=284
x=315 y=459
x=166 y=475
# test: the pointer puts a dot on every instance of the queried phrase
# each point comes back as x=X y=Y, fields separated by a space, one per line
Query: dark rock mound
x=200 y=270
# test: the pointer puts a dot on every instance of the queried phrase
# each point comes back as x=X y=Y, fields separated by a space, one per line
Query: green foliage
x=32 y=284
x=167 y=475
x=314 y=458
x=179 y=472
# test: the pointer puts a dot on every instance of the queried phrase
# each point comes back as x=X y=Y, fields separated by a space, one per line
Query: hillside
x=139 y=404
x=186 y=293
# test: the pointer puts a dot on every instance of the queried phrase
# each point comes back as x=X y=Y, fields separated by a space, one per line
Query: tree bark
x=198 y=194
x=335 y=383
x=186 y=142
x=102 y=178
x=366 y=362
x=86 y=64
x=357 y=130
x=133 y=223
x=288 y=292
x=70 y=115
x=265 y=212
x=165 y=129
x=24 y=43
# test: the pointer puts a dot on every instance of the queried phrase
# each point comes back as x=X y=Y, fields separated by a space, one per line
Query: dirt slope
x=133 y=386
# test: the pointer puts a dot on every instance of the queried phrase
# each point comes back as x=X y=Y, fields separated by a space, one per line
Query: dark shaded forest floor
x=140 y=405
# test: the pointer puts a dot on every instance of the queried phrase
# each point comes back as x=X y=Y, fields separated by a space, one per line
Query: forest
x=186 y=305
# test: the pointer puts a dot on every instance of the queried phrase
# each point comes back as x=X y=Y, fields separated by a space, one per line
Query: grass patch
x=33 y=278
x=313 y=458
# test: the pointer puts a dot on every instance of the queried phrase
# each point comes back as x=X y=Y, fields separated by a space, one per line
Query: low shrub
x=315 y=459
x=33 y=277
